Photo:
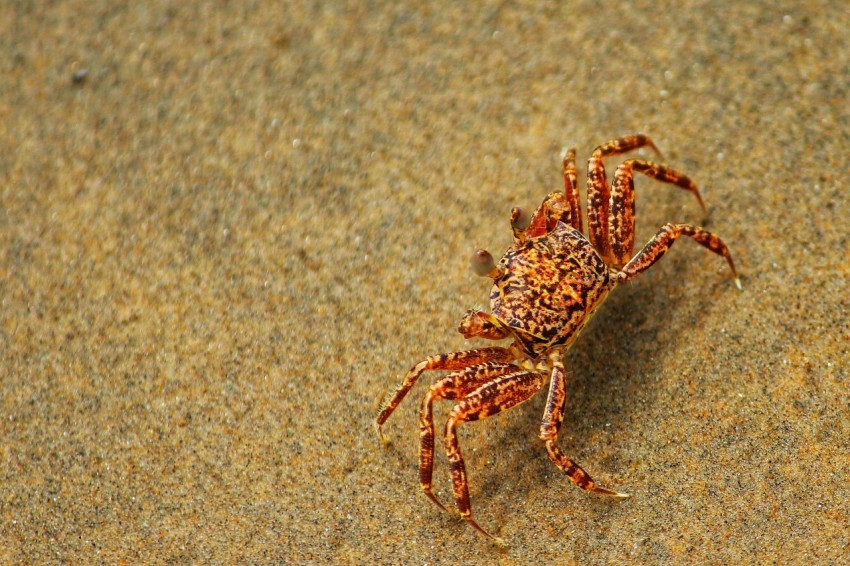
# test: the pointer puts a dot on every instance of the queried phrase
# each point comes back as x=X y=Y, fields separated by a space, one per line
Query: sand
x=226 y=231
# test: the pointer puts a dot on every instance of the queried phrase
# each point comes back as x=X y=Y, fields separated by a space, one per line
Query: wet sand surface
x=227 y=231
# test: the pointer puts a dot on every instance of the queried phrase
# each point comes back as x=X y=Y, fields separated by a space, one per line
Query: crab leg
x=599 y=193
x=571 y=188
x=661 y=242
x=494 y=397
x=624 y=144
x=452 y=361
x=552 y=418
x=453 y=386
x=621 y=219
x=598 y=205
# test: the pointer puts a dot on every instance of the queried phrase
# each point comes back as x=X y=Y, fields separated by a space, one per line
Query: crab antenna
x=483 y=265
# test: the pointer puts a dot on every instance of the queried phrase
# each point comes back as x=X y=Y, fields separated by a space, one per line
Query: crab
x=546 y=287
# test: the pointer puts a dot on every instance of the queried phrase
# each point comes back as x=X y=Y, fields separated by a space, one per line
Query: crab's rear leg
x=661 y=242
x=456 y=385
x=621 y=216
x=599 y=193
x=494 y=397
x=552 y=418
x=624 y=144
x=452 y=361
x=571 y=188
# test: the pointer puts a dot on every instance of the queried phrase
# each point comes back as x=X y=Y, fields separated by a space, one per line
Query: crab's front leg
x=456 y=385
x=552 y=418
x=452 y=361
x=494 y=397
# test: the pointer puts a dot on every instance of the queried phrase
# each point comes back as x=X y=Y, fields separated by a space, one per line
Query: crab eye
x=482 y=263
x=519 y=218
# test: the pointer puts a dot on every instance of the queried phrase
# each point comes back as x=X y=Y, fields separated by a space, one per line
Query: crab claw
x=476 y=323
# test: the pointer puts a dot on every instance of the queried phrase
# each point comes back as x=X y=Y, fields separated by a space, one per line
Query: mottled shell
x=550 y=287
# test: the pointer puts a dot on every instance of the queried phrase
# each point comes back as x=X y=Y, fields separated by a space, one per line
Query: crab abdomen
x=550 y=287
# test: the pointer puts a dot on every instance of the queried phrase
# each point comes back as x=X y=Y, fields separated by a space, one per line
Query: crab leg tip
x=611 y=492
x=738 y=284
x=655 y=150
x=501 y=542
x=437 y=501
x=380 y=434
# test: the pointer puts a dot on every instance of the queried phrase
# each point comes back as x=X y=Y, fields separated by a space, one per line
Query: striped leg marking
x=552 y=418
x=599 y=193
x=661 y=242
x=453 y=361
x=456 y=385
x=621 y=218
x=571 y=188
x=497 y=396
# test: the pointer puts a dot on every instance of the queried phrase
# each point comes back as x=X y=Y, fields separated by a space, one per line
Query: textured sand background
x=225 y=241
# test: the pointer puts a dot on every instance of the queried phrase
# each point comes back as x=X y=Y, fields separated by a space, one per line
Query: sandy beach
x=227 y=230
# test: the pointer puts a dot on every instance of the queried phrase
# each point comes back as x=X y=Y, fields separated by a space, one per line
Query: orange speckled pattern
x=552 y=283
